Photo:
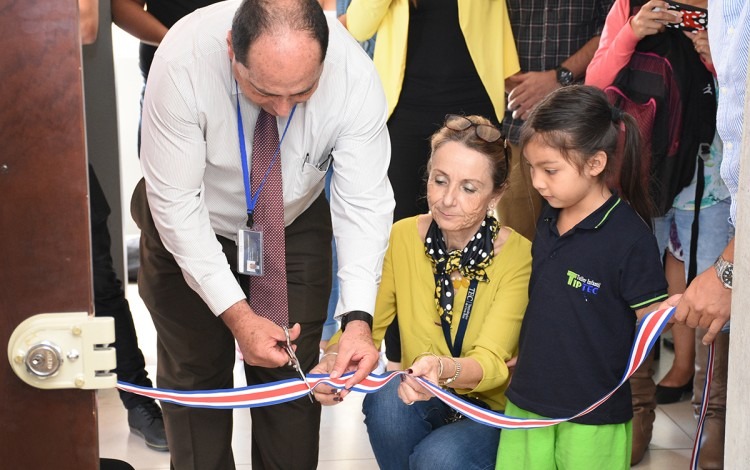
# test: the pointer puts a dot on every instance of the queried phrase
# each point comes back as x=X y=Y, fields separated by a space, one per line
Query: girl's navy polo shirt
x=580 y=322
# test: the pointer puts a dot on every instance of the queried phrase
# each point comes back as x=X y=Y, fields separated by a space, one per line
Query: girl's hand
x=511 y=364
x=652 y=18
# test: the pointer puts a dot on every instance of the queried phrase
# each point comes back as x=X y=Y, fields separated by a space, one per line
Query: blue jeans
x=714 y=232
x=417 y=437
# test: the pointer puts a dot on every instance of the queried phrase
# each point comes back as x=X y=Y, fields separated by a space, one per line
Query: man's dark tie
x=268 y=295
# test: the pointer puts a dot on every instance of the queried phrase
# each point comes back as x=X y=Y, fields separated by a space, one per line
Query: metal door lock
x=64 y=350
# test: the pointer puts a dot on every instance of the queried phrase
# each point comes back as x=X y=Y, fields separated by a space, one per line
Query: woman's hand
x=652 y=18
x=700 y=42
x=325 y=394
x=427 y=367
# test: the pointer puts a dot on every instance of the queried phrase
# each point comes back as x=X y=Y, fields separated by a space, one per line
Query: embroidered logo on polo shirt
x=585 y=285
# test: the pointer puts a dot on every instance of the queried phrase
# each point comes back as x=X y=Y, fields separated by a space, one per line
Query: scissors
x=293 y=361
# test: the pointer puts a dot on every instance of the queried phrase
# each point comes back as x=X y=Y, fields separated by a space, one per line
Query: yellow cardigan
x=484 y=23
x=408 y=288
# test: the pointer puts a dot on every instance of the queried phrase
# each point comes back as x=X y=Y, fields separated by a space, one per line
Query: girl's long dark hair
x=578 y=121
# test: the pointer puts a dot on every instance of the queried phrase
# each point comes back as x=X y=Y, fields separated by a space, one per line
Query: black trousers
x=196 y=350
x=110 y=301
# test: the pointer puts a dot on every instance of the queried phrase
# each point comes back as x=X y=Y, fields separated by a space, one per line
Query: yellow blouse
x=408 y=288
x=485 y=25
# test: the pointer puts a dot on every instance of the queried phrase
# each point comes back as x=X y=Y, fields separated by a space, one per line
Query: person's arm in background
x=88 y=13
x=706 y=302
x=131 y=17
x=526 y=90
x=621 y=35
x=363 y=17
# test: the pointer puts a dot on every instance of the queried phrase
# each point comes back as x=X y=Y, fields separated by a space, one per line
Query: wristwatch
x=564 y=76
x=724 y=270
x=355 y=315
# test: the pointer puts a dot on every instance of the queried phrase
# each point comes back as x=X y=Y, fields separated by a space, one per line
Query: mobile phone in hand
x=693 y=18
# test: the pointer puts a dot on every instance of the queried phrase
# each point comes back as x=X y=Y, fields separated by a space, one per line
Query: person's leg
x=195 y=351
x=395 y=428
x=331 y=326
x=464 y=444
x=296 y=424
x=526 y=449
x=521 y=204
x=144 y=415
x=643 y=391
x=679 y=378
x=711 y=455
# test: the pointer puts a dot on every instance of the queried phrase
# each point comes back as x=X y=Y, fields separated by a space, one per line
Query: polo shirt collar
x=595 y=220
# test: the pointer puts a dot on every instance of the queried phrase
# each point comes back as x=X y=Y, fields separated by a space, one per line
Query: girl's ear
x=596 y=164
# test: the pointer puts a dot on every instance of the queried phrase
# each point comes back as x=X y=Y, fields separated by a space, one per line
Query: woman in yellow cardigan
x=434 y=57
x=458 y=282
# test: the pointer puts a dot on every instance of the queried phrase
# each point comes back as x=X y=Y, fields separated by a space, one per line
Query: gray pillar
x=737 y=450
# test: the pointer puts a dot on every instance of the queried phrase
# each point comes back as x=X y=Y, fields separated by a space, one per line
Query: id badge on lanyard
x=249 y=252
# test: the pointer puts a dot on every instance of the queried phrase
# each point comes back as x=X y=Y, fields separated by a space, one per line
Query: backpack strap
x=695 y=228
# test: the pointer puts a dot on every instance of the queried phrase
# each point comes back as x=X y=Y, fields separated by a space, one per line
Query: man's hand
x=528 y=89
x=260 y=340
x=356 y=352
x=705 y=303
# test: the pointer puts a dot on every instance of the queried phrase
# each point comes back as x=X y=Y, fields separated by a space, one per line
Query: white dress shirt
x=191 y=160
x=729 y=38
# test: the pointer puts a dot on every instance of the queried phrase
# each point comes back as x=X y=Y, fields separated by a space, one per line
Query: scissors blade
x=295 y=363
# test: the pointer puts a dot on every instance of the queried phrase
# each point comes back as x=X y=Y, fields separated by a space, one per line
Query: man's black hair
x=257 y=17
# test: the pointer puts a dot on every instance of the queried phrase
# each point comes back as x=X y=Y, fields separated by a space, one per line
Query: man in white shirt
x=192 y=202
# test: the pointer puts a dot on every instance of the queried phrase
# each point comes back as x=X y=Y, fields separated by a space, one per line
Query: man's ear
x=229 y=45
x=596 y=164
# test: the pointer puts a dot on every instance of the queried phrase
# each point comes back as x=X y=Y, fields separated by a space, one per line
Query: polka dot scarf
x=469 y=262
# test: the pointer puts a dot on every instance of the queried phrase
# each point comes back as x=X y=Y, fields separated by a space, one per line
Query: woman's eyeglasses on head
x=485 y=132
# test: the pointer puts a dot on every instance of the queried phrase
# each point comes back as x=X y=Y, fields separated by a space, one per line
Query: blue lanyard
x=463 y=322
x=252 y=199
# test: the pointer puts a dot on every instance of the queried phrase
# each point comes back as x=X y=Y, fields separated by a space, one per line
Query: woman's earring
x=490 y=211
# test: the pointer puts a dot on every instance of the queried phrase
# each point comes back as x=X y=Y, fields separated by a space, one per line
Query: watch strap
x=724 y=270
x=355 y=315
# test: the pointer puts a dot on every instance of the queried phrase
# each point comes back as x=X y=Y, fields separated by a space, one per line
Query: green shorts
x=566 y=446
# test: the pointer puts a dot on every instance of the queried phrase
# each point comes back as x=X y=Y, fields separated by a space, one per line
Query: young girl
x=595 y=268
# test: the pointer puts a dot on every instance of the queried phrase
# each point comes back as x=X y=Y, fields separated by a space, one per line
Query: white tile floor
x=343 y=443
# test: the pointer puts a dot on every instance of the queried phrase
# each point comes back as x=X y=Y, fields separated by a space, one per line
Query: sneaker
x=147 y=421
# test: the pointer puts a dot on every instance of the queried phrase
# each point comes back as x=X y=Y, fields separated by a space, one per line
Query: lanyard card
x=249 y=252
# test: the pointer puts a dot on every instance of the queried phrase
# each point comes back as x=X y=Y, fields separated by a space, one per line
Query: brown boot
x=712 y=443
x=643 y=388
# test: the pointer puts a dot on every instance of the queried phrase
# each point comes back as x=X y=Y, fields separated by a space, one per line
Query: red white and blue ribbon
x=252 y=396
x=704 y=407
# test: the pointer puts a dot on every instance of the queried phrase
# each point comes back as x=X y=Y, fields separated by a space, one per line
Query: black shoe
x=666 y=395
x=147 y=421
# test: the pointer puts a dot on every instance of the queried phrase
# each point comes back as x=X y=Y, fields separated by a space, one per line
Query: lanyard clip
x=250 y=219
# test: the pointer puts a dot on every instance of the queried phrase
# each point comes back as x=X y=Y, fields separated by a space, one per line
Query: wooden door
x=45 y=261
